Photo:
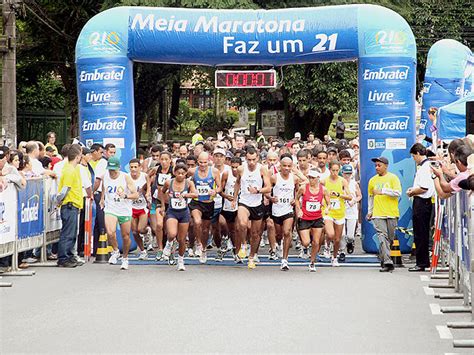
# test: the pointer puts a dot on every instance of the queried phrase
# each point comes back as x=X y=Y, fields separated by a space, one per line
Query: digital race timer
x=245 y=79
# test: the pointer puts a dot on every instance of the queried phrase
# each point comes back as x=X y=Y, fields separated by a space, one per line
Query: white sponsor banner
x=53 y=215
x=395 y=143
x=8 y=214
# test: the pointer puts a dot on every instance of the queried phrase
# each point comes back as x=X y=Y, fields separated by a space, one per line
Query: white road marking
x=428 y=291
x=444 y=332
x=435 y=309
x=424 y=278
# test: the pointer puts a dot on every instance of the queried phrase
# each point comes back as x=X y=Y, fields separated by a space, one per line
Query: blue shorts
x=182 y=216
x=215 y=216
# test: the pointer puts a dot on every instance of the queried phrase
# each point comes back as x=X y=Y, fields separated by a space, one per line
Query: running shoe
x=272 y=255
x=219 y=256
x=262 y=242
x=238 y=259
x=279 y=252
x=143 y=255
x=295 y=235
x=171 y=259
x=181 y=265
x=247 y=250
x=159 y=255
x=256 y=258
x=79 y=261
x=251 y=264
x=124 y=265
x=350 y=247
x=191 y=252
x=304 y=254
x=114 y=256
x=149 y=247
x=327 y=253
x=203 y=257
x=334 y=262
x=341 y=257
x=284 y=265
x=242 y=252
x=312 y=267
x=298 y=245
x=167 y=250
x=198 y=251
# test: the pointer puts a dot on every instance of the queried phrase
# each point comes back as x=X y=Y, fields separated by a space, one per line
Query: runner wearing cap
x=253 y=180
x=118 y=192
x=208 y=185
x=334 y=218
x=309 y=201
x=178 y=190
x=352 y=212
x=384 y=191
x=139 y=206
x=283 y=198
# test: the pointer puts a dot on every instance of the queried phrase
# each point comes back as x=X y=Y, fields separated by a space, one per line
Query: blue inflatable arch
x=377 y=37
x=448 y=78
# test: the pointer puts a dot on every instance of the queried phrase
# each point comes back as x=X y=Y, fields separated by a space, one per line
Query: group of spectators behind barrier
x=29 y=218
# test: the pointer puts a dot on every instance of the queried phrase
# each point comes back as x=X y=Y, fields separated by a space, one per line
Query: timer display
x=245 y=79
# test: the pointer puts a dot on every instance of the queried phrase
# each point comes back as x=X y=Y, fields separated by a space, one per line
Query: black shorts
x=206 y=208
x=267 y=211
x=256 y=213
x=279 y=220
x=229 y=216
x=305 y=224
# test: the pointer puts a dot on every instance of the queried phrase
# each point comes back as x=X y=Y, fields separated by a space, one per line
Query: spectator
x=310 y=137
x=22 y=147
x=109 y=150
x=422 y=192
x=32 y=150
x=340 y=128
x=260 y=136
x=11 y=169
x=197 y=137
x=446 y=189
x=70 y=207
x=50 y=142
x=58 y=167
x=54 y=157
x=4 y=151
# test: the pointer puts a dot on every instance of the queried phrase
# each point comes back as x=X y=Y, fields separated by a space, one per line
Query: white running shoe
x=312 y=267
x=304 y=254
x=198 y=251
x=167 y=250
x=143 y=255
x=279 y=252
x=114 y=256
x=149 y=247
x=124 y=264
x=334 y=262
x=181 y=265
x=191 y=252
x=247 y=249
x=262 y=242
x=256 y=259
x=203 y=257
x=327 y=253
x=284 y=265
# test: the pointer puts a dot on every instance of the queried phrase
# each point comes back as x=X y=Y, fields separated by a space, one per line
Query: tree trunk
x=175 y=96
x=68 y=78
x=322 y=124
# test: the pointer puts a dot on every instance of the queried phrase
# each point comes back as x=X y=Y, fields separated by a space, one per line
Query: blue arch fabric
x=377 y=37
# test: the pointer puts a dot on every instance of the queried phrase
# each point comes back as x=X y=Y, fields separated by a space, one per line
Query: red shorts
x=137 y=213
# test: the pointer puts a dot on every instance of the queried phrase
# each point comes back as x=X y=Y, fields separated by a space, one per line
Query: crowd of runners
x=235 y=195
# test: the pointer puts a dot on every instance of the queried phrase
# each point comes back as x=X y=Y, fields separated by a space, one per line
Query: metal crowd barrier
x=458 y=247
x=29 y=219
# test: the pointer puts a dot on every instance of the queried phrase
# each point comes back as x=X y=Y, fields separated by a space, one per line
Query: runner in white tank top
x=253 y=180
x=229 y=212
x=139 y=206
x=118 y=191
x=285 y=184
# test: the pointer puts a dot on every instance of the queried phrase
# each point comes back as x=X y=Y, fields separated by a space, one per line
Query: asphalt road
x=217 y=309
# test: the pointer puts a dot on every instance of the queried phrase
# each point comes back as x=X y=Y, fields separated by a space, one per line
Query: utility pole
x=8 y=49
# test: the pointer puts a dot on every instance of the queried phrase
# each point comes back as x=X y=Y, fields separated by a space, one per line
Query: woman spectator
x=51 y=140
x=12 y=169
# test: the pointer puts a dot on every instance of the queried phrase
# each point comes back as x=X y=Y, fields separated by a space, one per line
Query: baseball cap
x=347 y=169
x=219 y=151
x=313 y=173
x=113 y=163
x=86 y=150
x=298 y=135
x=332 y=149
x=380 y=159
x=229 y=155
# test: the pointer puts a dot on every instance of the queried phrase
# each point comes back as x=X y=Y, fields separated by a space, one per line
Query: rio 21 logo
x=104 y=38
